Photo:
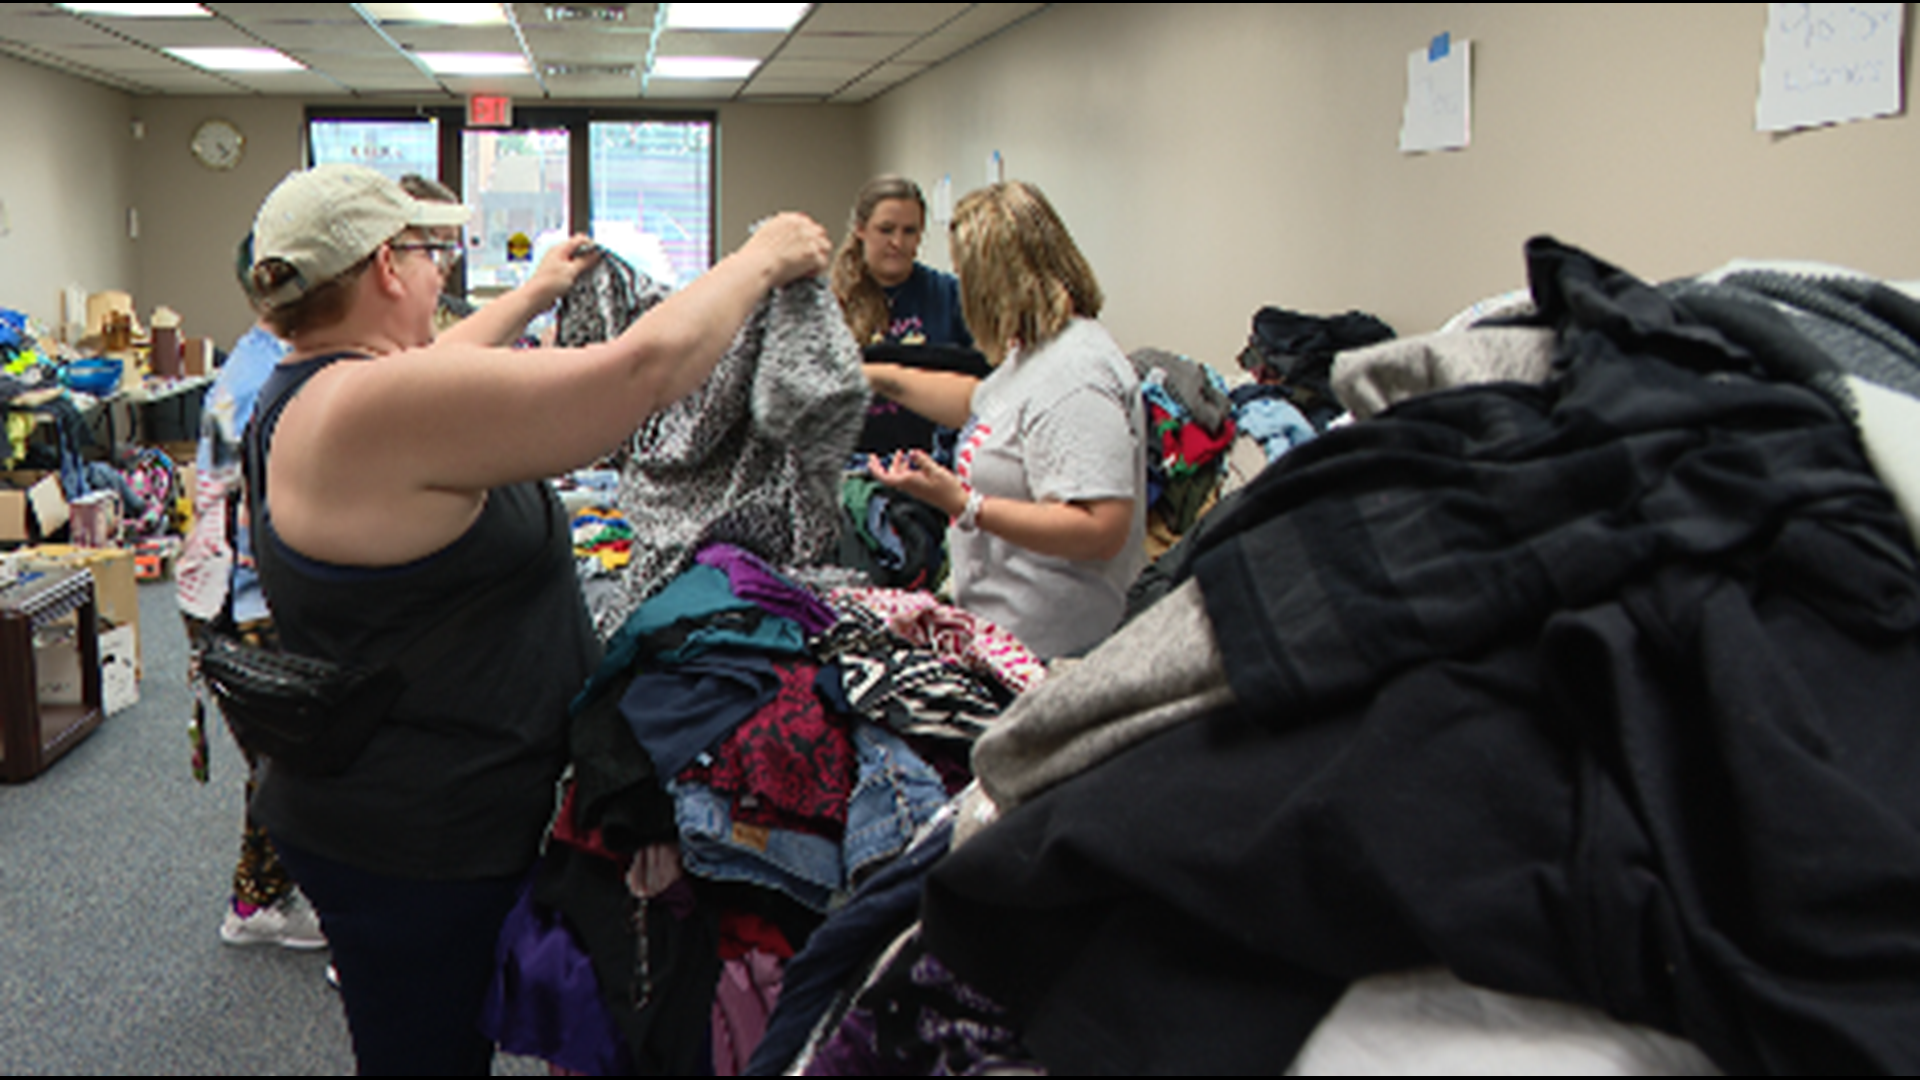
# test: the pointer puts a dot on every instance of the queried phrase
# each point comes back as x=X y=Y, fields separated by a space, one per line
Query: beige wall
x=68 y=150
x=193 y=217
x=1213 y=158
x=788 y=157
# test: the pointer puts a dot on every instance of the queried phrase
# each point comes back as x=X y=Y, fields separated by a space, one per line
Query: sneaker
x=289 y=922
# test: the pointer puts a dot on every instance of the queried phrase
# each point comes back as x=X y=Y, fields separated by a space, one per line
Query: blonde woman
x=1048 y=494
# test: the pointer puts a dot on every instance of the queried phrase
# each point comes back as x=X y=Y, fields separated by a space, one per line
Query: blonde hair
x=859 y=295
x=1022 y=278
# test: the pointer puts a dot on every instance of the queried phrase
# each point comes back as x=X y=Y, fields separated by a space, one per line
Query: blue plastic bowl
x=99 y=376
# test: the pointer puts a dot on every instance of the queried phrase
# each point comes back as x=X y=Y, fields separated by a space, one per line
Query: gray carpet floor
x=115 y=867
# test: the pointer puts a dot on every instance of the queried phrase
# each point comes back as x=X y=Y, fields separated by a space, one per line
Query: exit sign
x=489 y=111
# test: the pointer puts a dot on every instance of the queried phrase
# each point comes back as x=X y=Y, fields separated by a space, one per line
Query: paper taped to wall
x=1829 y=63
x=1438 y=114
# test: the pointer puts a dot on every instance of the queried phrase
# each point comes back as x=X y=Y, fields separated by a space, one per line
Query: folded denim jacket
x=894 y=795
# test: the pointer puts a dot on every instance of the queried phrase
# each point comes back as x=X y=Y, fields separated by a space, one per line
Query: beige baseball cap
x=324 y=220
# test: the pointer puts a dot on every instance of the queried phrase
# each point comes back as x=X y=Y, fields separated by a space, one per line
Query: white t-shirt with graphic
x=1063 y=423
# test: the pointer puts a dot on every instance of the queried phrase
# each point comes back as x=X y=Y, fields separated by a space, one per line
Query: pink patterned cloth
x=747 y=993
x=969 y=640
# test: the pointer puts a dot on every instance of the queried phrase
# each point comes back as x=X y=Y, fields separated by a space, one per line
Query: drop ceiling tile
x=792 y=87
x=603 y=47
x=898 y=71
x=387 y=63
x=288 y=82
x=47 y=28
x=184 y=33
x=870 y=47
x=126 y=83
x=564 y=87
x=981 y=22
x=880 y=80
x=840 y=71
x=483 y=39
x=188 y=81
x=695 y=43
x=861 y=92
x=880 y=18
x=392 y=84
x=293 y=37
x=693 y=89
x=130 y=59
x=512 y=86
x=375 y=95
x=249 y=13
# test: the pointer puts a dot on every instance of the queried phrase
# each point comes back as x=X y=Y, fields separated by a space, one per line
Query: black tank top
x=458 y=783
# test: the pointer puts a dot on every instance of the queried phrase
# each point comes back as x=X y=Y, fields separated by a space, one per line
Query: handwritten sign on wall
x=1439 y=108
x=1829 y=63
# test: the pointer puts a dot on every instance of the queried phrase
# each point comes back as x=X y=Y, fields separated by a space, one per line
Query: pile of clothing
x=1292 y=352
x=894 y=539
x=749 y=753
x=1591 y=689
x=1190 y=431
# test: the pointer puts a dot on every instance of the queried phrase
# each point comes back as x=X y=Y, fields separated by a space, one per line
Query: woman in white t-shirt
x=1047 y=495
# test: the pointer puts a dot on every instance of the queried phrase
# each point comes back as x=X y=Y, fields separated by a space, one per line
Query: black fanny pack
x=311 y=716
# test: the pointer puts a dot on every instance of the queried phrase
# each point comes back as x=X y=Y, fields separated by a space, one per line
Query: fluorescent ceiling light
x=141 y=11
x=702 y=67
x=239 y=59
x=443 y=14
x=734 y=16
x=461 y=63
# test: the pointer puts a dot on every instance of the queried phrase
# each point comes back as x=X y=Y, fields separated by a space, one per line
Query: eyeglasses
x=444 y=253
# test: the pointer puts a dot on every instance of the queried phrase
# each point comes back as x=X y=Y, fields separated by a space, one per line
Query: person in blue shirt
x=216 y=569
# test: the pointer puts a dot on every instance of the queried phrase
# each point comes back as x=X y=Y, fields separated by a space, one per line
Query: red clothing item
x=791 y=765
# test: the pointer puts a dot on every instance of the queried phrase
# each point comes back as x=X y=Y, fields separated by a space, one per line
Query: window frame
x=576 y=120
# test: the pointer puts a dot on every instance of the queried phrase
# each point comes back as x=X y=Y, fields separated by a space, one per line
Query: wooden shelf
x=34 y=733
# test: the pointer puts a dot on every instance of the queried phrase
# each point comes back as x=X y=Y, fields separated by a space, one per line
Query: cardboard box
x=196 y=356
x=103 y=307
x=13 y=517
x=49 y=505
x=27 y=497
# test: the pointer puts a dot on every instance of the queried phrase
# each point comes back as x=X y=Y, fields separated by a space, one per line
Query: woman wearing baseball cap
x=399 y=475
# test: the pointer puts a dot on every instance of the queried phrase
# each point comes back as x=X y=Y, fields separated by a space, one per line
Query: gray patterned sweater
x=751 y=458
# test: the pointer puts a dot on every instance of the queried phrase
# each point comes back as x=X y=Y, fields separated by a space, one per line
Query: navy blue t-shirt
x=925 y=310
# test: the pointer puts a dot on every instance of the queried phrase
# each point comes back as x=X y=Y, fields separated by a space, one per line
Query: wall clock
x=218 y=144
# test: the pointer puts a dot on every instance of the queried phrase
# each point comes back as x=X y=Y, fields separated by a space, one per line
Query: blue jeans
x=895 y=794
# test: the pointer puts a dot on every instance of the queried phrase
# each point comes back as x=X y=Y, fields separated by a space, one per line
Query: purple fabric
x=915 y=1019
x=752 y=579
x=545 y=1002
